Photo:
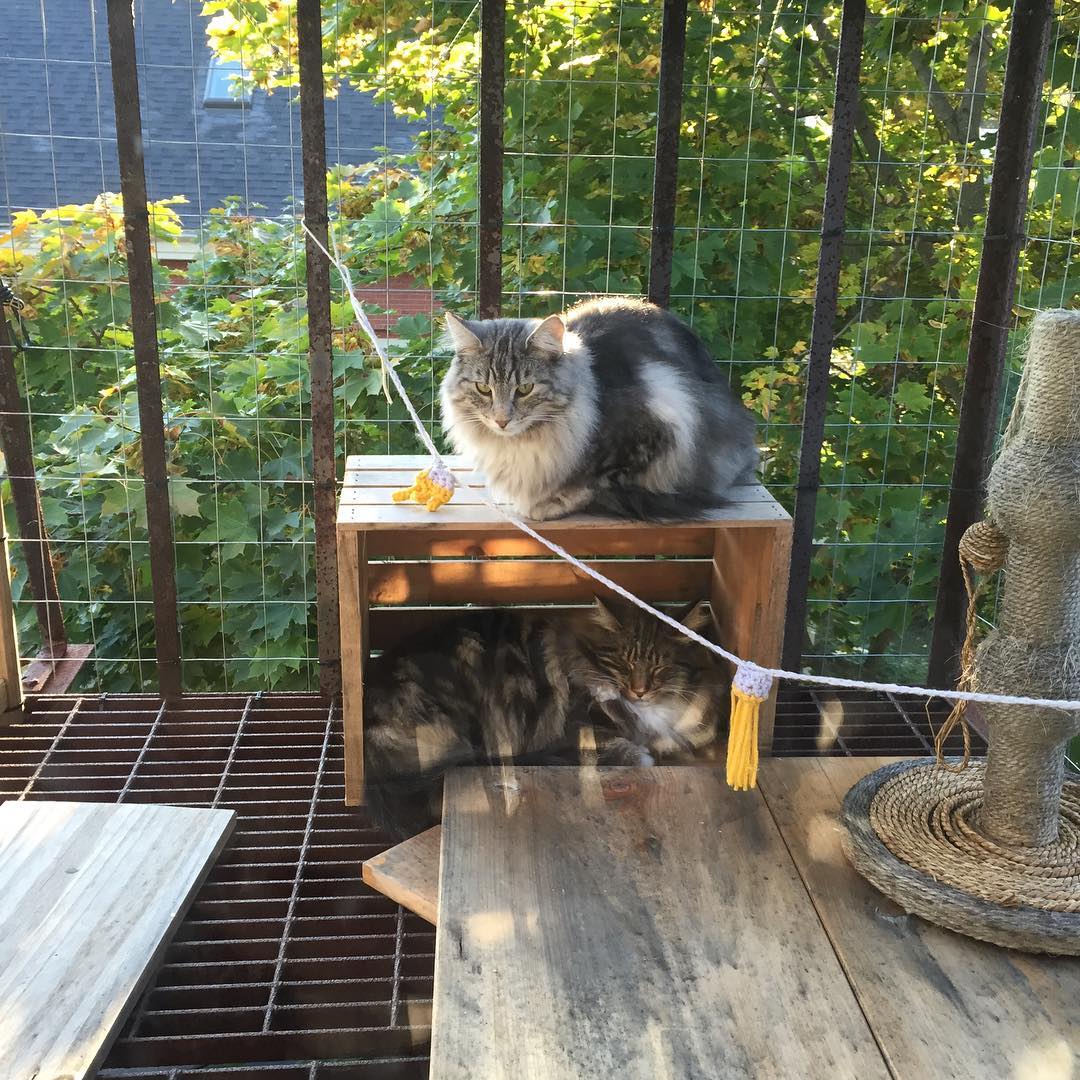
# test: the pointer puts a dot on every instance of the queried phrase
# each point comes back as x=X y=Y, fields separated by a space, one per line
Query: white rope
x=751 y=674
x=387 y=367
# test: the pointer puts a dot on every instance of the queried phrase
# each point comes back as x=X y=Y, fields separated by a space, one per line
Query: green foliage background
x=580 y=118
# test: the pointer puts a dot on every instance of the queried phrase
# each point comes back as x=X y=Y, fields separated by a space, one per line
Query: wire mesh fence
x=221 y=130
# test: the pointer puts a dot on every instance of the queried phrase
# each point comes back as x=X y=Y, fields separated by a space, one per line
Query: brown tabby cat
x=506 y=686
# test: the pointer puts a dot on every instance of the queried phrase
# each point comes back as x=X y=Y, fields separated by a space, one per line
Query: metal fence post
x=492 y=104
x=848 y=61
x=324 y=469
x=140 y=270
x=666 y=172
x=15 y=440
x=991 y=319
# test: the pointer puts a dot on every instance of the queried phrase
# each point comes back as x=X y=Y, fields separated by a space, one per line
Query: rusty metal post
x=666 y=172
x=991 y=319
x=144 y=332
x=492 y=88
x=16 y=442
x=833 y=217
x=320 y=357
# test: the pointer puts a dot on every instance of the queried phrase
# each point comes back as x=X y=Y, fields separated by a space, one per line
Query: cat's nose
x=502 y=423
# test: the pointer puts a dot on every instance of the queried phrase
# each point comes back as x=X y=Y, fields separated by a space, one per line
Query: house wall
x=58 y=133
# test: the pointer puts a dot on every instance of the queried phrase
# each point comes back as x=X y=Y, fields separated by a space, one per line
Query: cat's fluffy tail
x=639 y=504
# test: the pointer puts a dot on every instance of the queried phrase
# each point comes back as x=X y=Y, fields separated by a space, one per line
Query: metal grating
x=287 y=966
x=286 y=962
x=860 y=724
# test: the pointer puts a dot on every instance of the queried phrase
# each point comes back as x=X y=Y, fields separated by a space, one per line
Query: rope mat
x=927 y=818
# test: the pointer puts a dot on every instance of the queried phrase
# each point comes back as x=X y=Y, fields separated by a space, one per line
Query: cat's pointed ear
x=547 y=339
x=461 y=334
x=697 y=617
x=609 y=611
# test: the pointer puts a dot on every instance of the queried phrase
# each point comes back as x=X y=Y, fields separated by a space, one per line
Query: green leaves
x=184 y=498
x=580 y=125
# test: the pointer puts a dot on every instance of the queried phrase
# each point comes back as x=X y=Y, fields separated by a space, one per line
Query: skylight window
x=223 y=86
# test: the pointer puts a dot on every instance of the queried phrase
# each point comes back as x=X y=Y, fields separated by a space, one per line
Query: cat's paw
x=557 y=506
x=548 y=509
x=625 y=752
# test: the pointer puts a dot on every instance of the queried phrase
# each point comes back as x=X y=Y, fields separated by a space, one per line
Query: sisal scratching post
x=993 y=851
x=1034 y=498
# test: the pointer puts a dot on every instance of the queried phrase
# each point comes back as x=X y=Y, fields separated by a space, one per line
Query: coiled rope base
x=910 y=830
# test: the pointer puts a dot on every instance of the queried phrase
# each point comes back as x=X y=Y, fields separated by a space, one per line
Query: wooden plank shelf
x=402 y=568
x=90 y=894
x=408 y=873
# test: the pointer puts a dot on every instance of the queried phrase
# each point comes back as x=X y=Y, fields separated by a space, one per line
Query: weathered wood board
x=634 y=924
x=409 y=873
x=939 y=1004
x=89 y=896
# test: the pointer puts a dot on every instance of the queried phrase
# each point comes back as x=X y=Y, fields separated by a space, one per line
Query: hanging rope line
x=752 y=682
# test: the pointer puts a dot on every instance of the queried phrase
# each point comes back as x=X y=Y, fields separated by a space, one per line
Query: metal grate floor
x=286 y=962
x=287 y=966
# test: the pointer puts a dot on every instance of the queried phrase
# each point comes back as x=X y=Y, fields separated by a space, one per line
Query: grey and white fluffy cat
x=506 y=686
x=615 y=407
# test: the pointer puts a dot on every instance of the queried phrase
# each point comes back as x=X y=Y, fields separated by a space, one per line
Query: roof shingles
x=58 y=133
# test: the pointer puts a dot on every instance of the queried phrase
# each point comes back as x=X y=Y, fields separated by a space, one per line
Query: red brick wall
x=402 y=294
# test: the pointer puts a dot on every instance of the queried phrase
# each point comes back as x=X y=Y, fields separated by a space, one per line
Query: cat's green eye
x=483 y=388
x=525 y=389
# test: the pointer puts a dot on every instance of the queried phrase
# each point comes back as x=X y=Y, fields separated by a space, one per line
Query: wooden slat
x=525 y=581
x=89 y=897
x=474 y=495
x=940 y=1004
x=352 y=613
x=458 y=515
x=359 y=479
x=409 y=873
x=390 y=625
x=749 y=590
x=420 y=543
x=633 y=924
x=409 y=462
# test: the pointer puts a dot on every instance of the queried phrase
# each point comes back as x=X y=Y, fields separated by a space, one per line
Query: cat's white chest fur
x=528 y=469
x=673 y=721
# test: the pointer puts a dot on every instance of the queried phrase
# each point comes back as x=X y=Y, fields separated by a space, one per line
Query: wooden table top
x=365 y=502
x=653 y=923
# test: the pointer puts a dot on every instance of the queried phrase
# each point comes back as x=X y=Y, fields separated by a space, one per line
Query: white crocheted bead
x=441 y=475
x=752 y=680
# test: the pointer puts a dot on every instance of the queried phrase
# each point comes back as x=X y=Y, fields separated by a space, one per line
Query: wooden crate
x=401 y=567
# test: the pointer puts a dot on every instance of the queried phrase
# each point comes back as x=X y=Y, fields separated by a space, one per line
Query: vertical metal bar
x=666 y=173
x=991 y=318
x=320 y=358
x=492 y=81
x=129 y=148
x=823 y=328
x=16 y=442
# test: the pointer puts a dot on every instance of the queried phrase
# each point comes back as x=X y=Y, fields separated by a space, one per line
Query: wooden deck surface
x=652 y=923
x=89 y=895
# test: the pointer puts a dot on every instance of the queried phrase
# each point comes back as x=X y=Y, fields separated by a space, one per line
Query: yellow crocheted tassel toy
x=433 y=487
x=749 y=688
